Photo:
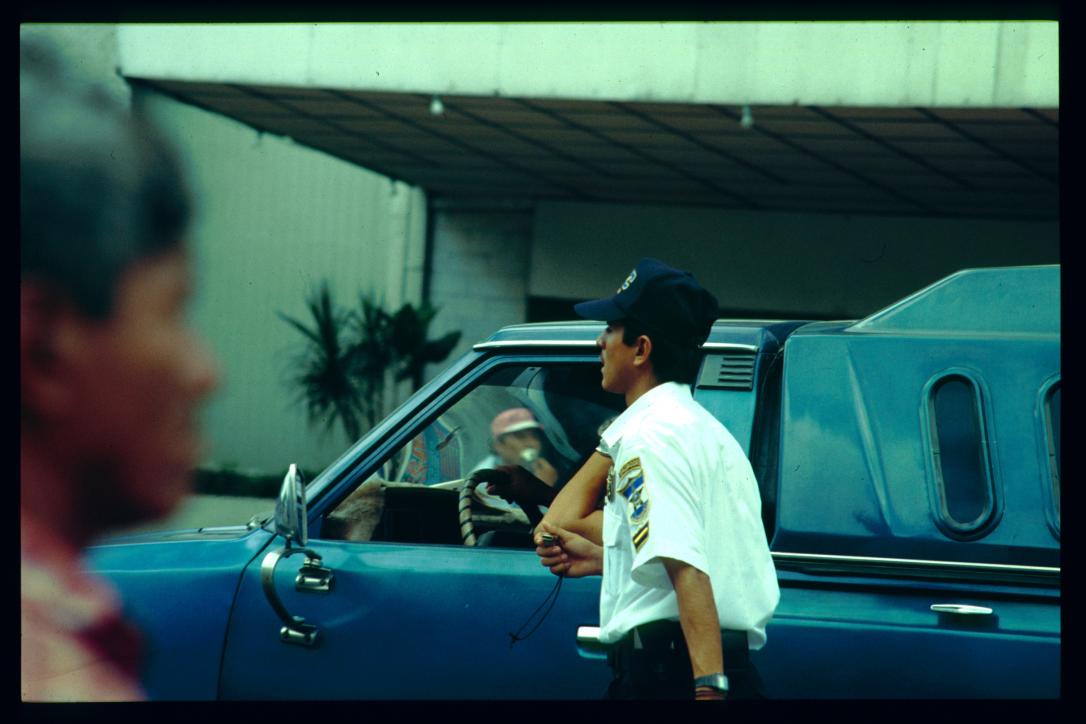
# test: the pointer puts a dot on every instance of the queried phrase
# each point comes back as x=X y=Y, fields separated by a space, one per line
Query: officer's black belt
x=659 y=636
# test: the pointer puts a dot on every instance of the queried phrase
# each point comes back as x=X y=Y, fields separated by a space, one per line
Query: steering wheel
x=467 y=527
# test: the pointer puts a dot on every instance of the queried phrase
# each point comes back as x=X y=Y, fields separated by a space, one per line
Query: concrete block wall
x=479 y=272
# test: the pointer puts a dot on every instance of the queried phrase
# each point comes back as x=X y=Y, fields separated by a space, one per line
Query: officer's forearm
x=578 y=498
x=591 y=526
x=697 y=616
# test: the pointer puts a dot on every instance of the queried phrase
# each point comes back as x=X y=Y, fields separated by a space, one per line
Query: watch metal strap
x=717 y=681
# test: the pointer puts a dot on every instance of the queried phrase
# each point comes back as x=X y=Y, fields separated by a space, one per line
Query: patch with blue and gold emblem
x=632 y=488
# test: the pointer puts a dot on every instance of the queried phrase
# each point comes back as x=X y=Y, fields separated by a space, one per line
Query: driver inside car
x=515 y=438
x=516 y=469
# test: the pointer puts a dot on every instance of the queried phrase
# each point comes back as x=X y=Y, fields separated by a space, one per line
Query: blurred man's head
x=111 y=376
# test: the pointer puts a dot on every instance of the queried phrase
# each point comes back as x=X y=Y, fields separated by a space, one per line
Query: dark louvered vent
x=728 y=370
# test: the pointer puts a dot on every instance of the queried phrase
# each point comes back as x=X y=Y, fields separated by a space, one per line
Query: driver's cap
x=513 y=420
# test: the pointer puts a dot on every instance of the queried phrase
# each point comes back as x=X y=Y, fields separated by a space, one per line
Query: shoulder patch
x=631 y=486
x=630 y=465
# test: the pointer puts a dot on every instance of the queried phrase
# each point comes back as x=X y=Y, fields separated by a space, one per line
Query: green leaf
x=341 y=374
x=299 y=326
x=437 y=350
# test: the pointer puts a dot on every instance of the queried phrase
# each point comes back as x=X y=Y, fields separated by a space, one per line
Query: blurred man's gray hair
x=99 y=189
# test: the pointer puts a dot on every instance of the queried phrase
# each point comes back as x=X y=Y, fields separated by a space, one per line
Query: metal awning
x=995 y=163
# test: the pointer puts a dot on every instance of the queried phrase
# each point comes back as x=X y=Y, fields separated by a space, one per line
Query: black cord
x=553 y=598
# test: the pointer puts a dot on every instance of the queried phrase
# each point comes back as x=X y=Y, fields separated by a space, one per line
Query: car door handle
x=588 y=635
x=961 y=609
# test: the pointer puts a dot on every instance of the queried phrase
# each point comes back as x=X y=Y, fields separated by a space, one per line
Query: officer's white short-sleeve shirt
x=681 y=487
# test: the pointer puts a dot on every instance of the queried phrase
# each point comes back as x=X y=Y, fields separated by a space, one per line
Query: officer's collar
x=659 y=392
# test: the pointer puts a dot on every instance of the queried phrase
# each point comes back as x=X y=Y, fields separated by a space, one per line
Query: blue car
x=909 y=467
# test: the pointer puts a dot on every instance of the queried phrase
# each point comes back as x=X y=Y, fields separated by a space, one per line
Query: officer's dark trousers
x=656 y=665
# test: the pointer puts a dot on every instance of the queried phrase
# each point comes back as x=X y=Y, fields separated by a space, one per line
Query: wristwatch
x=716 y=681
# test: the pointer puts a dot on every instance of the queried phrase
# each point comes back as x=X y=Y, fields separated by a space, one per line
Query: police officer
x=688 y=580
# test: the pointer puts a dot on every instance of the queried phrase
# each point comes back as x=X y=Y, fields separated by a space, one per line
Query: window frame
x=1050 y=476
x=369 y=461
x=992 y=510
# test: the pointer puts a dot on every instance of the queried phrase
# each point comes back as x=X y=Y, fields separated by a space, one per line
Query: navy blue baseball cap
x=669 y=302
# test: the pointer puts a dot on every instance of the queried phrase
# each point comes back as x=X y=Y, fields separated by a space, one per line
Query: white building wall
x=273 y=220
x=942 y=64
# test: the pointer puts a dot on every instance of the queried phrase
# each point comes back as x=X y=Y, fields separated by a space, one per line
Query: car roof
x=725 y=334
x=987 y=301
x=1023 y=300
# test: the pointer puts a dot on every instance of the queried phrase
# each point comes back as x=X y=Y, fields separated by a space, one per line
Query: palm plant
x=396 y=344
x=409 y=337
x=350 y=357
x=372 y=357
x=324 y=373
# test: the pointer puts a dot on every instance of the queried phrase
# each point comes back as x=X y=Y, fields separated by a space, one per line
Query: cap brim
x=518 y=426
x=601 y=310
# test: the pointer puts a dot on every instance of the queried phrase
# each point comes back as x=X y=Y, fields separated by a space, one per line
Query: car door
x=401 y=607
x=847 y=628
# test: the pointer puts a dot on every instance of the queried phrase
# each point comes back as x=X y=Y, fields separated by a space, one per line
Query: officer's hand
x=573 y=555
x=516 y=485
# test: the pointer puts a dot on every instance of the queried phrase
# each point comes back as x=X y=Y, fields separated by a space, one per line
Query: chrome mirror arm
x=295 y=629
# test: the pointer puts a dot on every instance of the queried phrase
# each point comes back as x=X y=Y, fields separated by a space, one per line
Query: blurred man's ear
x=51 y=339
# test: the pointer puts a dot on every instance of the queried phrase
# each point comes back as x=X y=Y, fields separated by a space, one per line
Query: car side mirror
x=290 y=522
x=290 y=515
